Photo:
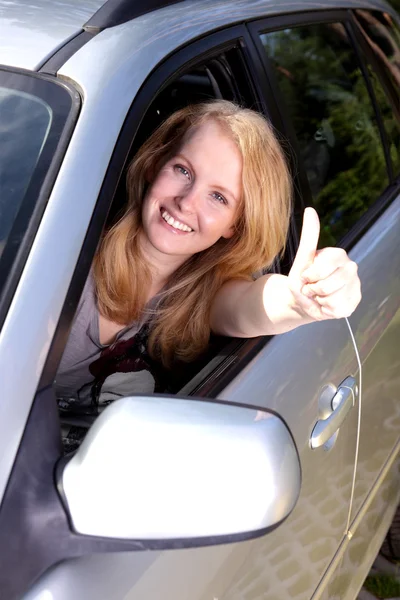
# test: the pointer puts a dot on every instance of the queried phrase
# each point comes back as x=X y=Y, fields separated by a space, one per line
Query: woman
x=209 y=205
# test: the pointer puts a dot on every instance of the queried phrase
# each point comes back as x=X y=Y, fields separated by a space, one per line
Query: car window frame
x=368 y=57
x=29 y=219
x=237 y=353
x=288 y=21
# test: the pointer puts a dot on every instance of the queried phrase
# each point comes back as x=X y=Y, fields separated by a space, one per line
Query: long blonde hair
x=180 y=325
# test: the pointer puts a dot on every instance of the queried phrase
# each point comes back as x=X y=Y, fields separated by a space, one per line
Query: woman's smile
x=174 y=225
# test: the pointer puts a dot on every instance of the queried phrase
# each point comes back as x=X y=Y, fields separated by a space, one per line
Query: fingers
x=326 y=262
x=333 y=282
x=339 y=304
x=308 y=243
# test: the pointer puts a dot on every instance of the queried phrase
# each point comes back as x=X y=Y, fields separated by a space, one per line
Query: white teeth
x=176 y=224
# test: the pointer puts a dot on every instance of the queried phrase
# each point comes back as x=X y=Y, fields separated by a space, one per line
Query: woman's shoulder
x=88 y=296
x=86 y=311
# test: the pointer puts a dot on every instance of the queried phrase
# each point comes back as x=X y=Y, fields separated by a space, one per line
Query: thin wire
x=348 y=533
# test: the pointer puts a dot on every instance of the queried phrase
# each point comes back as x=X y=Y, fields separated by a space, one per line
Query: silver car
x=270 y=470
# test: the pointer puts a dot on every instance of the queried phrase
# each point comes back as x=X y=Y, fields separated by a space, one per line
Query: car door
x=376 y=324
x=344 y=115
x=295 y=374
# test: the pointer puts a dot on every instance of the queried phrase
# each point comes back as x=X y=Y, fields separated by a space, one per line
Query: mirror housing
x=172 y=468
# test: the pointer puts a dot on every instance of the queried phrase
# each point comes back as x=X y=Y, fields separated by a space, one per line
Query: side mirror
x=170 y=468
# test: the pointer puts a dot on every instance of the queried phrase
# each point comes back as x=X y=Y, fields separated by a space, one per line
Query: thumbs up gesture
x=324 y=283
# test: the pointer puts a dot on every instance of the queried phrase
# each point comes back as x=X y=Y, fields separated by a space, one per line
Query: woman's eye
x=182 y=170
x=219 y=197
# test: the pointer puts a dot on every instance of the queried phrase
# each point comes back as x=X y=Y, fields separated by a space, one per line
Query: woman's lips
x=173 y=224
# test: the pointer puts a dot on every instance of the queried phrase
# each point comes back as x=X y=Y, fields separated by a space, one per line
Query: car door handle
x=342 y=402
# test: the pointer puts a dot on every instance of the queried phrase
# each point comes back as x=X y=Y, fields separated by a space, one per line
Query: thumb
x=308 y=243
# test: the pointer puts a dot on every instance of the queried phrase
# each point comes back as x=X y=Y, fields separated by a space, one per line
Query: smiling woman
x=209 y=205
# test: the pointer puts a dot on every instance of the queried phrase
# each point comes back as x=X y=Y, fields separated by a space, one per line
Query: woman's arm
x=322 y=284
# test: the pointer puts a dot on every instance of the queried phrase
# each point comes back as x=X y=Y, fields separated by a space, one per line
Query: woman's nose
x=187 y=199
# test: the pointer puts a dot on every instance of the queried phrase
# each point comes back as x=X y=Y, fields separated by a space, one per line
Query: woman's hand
x=324 y=283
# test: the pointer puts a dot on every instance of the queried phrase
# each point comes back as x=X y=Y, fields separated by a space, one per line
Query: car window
x=25 y=122
x=222 y=75
x=326 y=97
x=382 y=35
x=33 y=116
x=391 y=122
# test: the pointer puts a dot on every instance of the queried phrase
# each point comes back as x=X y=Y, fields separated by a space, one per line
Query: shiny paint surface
x=288 y=375
x=376 y=325
x=30 y=32
x=46 y=25
x=289 y=561
x=356 y=555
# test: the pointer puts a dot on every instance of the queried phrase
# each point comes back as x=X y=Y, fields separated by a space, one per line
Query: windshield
x=24 y=126
x=35 y=120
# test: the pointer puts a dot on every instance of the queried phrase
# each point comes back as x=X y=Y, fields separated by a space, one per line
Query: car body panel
x=153 y=36
x=356 y=554
x=43 y=25
x=367 y=540
x=46 y=25
x=376 y=325
x=280 y=379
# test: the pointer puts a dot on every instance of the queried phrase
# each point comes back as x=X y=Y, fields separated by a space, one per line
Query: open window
x=216 y=76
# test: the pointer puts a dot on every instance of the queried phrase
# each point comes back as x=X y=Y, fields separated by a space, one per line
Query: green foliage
x=382 y=586
x=334 y=120
x=395 y=4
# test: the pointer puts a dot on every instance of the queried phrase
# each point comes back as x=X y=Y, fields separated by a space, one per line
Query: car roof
x=33 y=30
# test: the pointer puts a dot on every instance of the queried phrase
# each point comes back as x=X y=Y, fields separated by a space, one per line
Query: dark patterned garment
x=75 y=379
x=91 y=375
x=121 y=370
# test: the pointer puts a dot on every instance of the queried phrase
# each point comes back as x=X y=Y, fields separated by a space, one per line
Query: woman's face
x=194 y=199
